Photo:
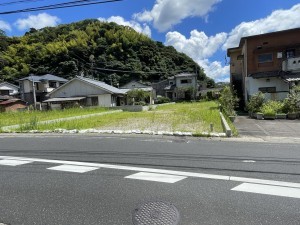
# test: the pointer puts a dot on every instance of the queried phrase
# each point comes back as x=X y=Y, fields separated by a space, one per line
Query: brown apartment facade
x=269 y=63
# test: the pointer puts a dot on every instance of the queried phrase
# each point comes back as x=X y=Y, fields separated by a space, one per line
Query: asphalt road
x=38 y=191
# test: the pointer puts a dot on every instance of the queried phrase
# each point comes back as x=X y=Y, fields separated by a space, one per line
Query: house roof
x=138 y=88
x=287 y=76
x=291 y=77
x=267 y=74
x=13 y=100
x=101 y=85
x=64 y=99
x=186 y=75
x=8 y=84
x=98 y=84
x=4 y=97
x=242 y=40
x=47 y=77
x=139 y=85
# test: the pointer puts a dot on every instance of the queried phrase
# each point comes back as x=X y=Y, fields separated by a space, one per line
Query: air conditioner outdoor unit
x=279 y=55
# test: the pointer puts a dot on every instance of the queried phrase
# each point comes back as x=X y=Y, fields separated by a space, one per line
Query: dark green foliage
x=228 y=101
x=66 y=50
x=162 y=99
x=138 y=97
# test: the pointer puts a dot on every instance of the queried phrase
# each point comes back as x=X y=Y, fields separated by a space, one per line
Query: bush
x=255 y=103
x=228 y=101
x=275 y=105
x=136 y=96
x=292 y=103
x=161 y=100
x=268 y=109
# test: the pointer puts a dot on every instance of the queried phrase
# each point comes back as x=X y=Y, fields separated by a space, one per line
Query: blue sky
x=202 y=29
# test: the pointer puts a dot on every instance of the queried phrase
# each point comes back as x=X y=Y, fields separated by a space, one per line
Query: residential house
x=178 y=87
x=84 y=91
x=269 y=63
x=8 y=89
x=138 y=85
x=42 y=85
x=12 y=104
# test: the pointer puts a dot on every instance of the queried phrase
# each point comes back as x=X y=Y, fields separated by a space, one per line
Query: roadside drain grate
x=156 y=213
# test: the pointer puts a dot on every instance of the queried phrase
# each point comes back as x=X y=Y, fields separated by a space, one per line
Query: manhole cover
x=156 y=213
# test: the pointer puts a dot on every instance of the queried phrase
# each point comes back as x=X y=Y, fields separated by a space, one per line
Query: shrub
x=255 y=103
x=228 y=101
x=136 y=96
x=292 y=103
x=161 y=100
x=267 y=110
x=275 y=105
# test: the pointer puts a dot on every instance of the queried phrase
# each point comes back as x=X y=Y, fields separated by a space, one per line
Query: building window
x=267 y=89
x=52 y=84
x=187 y=81
x=94 y=101
x=171 y=83
x=290 y=53
x=263 y=58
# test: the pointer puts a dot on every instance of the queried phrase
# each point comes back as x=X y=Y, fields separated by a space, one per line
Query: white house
x=87 y=92
x=8 y=89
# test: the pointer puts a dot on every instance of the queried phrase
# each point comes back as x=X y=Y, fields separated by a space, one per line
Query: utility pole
x=33 y=92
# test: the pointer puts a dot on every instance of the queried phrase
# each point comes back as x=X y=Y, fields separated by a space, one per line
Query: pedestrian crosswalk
x=247 y=185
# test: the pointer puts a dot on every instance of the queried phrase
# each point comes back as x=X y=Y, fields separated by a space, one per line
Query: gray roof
x=47 y=77
x=64 y=99
x=3 y=83
x=102 y=85
x=186 y=75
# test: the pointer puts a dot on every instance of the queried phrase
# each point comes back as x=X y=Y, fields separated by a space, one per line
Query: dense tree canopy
x=106 y=51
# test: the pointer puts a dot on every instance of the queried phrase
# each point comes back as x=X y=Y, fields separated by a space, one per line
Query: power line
x=19 y=1
x=60 y=6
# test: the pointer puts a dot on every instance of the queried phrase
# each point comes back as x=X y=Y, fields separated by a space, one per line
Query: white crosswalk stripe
x=73 y=168
x=13 y=162
x=268 y=190
x=165 y=178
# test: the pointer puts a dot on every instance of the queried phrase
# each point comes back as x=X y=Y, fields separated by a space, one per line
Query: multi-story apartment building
x=269 y=63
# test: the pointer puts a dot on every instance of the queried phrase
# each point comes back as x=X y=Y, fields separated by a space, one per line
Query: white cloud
x=144 y=29
x=4 y=26
x=200 y=47
x=215 y=70
x=276 y=21
x=37 y=21
x=167 y=13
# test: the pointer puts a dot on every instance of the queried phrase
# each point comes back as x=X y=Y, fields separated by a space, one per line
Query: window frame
x=265 y=61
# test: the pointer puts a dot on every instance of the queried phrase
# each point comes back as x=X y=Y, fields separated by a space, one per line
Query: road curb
x=226 y=126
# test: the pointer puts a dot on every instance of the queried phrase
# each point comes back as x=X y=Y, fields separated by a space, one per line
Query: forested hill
x=106 y=51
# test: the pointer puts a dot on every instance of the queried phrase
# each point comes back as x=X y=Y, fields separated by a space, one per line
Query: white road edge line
x=163 y=171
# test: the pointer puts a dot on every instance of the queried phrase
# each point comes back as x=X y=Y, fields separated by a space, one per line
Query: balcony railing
x=291 y=64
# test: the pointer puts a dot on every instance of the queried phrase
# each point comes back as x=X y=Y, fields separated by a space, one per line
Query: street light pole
x=33 y=92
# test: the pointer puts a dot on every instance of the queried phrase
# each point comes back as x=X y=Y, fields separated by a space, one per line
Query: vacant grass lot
x=185 y=117
x=13 y=118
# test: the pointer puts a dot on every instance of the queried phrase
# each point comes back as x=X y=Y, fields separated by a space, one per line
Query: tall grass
x=188 y=117
x=22 y=117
